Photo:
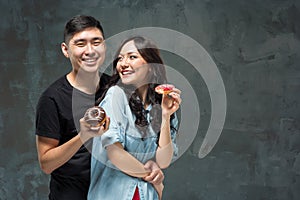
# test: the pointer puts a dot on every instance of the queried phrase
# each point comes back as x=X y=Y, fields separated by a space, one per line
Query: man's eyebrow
x=98 y=38
x=79 y=40
x=93 y=39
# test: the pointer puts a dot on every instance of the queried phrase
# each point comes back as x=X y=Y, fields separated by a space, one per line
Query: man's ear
x=64 y=49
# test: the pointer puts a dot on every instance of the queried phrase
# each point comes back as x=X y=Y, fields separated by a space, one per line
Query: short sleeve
x=47 y=120
x=114 y=104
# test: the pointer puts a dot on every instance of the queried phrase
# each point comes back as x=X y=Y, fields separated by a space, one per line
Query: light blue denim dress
x=107 y=182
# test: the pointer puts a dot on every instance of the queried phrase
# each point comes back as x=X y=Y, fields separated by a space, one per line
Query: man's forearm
x=51 y=158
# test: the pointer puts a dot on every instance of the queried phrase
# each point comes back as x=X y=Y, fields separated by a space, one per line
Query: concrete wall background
x=255 y=45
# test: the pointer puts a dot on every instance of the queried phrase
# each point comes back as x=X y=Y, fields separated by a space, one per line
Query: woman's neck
x=142 y=92
x=85 y=82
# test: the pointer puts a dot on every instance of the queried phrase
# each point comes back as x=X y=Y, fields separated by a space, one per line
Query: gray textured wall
x=255 y=45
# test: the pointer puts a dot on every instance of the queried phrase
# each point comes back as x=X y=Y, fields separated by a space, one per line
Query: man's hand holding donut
x=94 y=123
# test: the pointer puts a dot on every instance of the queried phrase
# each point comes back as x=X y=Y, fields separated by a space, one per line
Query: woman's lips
x=127 y=72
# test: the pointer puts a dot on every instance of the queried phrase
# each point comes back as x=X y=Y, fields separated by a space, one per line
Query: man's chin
x=89 y=69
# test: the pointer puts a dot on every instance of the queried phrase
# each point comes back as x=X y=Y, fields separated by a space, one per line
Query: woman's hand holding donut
x=170 y=99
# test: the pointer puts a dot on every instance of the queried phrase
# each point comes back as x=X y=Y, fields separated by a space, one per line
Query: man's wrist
x=83 y=137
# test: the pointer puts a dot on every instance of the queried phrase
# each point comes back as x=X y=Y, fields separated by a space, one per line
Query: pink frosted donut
x=164 y=88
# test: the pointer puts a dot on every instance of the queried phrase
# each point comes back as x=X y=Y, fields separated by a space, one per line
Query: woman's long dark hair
x=157 y=76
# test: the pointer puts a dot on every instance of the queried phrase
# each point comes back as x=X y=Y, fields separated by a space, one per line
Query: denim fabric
x=107 y=182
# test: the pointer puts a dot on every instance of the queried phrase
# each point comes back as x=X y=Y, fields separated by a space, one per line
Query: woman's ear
x=64 y=49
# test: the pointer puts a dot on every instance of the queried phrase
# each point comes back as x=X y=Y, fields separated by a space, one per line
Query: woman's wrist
x=166 y=116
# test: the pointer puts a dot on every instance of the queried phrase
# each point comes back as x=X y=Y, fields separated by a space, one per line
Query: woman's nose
x=124 y=63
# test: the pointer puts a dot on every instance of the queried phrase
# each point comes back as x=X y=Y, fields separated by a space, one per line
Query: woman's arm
x=125 y=161
x=164 y=152
x=114 y=104
x=131 y=166
x=170 y=104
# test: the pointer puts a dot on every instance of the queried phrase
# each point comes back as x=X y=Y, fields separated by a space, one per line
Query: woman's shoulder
x=115 y=95
x=115 y=91
x=115 y=102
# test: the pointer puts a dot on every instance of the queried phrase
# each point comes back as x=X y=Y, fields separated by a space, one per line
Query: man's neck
x=84 y=81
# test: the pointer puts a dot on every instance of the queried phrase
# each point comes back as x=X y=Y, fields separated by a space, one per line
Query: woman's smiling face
x=131 y=66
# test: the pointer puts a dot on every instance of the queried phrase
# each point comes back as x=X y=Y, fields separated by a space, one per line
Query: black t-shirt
x=58 y=112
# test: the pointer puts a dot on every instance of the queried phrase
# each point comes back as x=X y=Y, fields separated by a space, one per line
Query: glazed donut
x=164 y=88
x=95 y=116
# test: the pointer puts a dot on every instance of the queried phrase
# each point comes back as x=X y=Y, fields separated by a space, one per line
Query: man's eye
x=97 y=42
x=80 y=44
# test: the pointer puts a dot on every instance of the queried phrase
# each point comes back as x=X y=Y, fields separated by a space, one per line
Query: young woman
x=142 y=127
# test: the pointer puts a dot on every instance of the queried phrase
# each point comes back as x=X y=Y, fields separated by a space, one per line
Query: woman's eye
x=133 y=57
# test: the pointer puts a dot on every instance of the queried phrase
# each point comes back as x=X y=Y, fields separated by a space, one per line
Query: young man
x=61 y=140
